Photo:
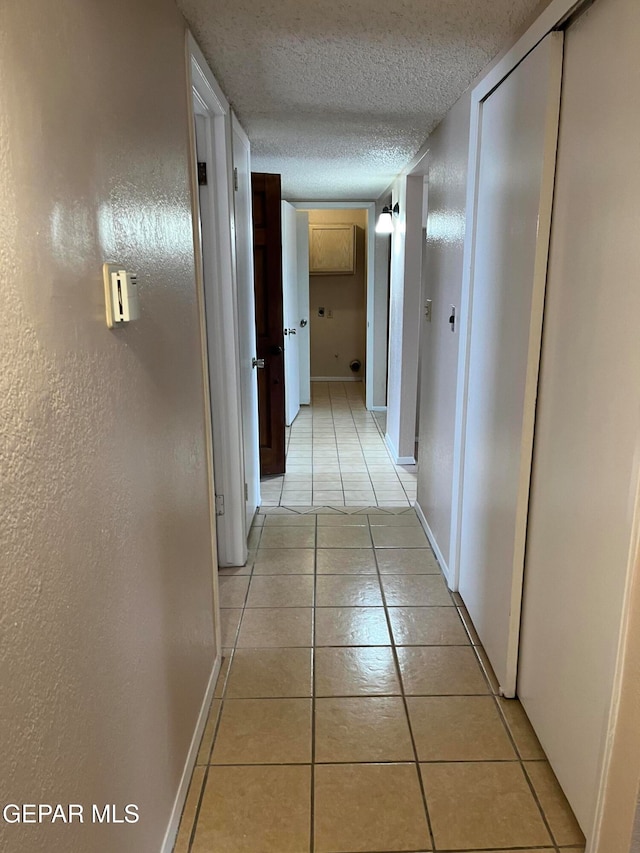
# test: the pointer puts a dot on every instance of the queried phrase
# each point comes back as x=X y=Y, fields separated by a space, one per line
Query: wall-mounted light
x=384 y=224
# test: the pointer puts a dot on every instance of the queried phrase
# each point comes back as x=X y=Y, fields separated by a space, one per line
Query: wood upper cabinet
x=332 y=249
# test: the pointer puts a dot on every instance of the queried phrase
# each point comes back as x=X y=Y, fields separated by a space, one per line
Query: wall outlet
x=329 y=313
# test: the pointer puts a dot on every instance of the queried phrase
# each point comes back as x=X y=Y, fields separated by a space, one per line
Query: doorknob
x=257 y=362
x=303 y=323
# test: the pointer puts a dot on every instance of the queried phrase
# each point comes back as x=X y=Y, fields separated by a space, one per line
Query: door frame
x=551 y=19
x=371 y=355
x=220 y=319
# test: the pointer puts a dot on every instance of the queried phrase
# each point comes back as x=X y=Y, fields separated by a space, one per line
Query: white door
x=290 y=312
x=519 y=127
x=246 y=319
x=304 y=336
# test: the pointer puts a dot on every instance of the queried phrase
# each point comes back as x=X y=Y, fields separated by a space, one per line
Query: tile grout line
x=313 y=697
x=416 y=761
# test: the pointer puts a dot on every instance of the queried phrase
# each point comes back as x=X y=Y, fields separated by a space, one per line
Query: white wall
x=106 y=540
x=404 y=318
x=448 y=153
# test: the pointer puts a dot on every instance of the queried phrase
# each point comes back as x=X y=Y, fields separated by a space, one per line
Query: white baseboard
x=192 y=755
x=433 y=542
x=399 y=460
x=377 y=408
x=336 y=378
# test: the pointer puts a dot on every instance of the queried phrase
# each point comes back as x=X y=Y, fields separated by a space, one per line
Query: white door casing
x=214 y=208
x=246 y=317
x=290 y=313
x=514 y=191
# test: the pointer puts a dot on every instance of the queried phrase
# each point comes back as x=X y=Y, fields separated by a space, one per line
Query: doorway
x=337 y=295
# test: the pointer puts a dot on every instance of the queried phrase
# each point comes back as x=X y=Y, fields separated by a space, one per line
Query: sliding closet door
x=585 y=474
x=519 y=128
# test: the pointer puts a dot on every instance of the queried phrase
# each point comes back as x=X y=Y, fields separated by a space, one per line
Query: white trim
x=398 y=460
x=434 y=543
x=192 y=756
x=378 y=409
x=336 y=379
x=221 y=312
x=556 y=12
x=370 y=208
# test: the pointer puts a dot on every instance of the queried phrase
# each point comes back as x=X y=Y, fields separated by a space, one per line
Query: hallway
x=353 y=711
x=336 y=456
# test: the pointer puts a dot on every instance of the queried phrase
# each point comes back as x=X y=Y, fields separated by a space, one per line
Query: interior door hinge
x=219 y=504
x=202 y=174
x=235 y=178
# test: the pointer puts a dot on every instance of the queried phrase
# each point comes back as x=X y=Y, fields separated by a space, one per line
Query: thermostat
x=120 y=295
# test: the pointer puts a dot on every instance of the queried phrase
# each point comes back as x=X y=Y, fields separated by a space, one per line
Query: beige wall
x=106 y=612
x=344 y=334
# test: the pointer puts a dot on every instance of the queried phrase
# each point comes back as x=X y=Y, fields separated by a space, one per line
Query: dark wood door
x=267 y=255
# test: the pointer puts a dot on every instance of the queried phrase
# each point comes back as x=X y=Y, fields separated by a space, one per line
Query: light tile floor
x=353 y=711
x=336 y=456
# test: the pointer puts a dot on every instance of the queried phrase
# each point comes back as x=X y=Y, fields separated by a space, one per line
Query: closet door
x=584 y=513
x=519 y=129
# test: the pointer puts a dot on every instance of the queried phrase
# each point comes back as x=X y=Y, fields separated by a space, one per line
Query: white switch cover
x=120 y=294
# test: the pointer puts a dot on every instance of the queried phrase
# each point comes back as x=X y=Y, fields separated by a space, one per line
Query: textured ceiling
x=338 y=95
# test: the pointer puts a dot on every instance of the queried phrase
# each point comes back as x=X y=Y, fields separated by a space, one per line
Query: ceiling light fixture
x=384 y=224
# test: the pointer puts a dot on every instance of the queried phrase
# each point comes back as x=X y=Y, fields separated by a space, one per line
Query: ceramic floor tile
x=418 y=561
x=284 y=561
x=229 y=622
x=348 y=591
x=355 y=672
x=521 y=729
x=346 y=561
x=441 y=670
x=277 y=627
x=287 y=537
x=281 y=591
x=394 y=521
x=251 y=809
x=416 y=590
x=351 y=626
x=332 y=497
x=482 y=805
x=290 y=521
x=427 y=626
x=458 y=728
x=557 y=810
x=342 y=521
x=399 y=537
x=233 y=591
x=363 y=807
x=344 y=537
x=372 y=728
x=264 y=731
x=269 y=673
